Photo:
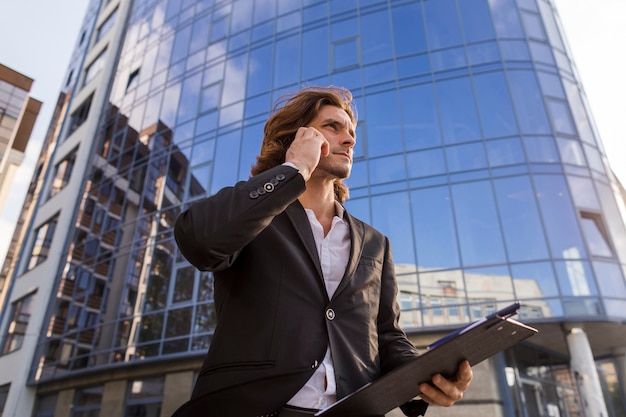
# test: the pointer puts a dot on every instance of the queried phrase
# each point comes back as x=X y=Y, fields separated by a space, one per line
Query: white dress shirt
x=320 y=391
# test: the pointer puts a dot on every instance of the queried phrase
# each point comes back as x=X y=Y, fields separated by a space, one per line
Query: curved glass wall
x=475 y=155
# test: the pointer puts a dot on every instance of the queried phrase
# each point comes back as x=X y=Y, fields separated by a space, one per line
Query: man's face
x=336 y=126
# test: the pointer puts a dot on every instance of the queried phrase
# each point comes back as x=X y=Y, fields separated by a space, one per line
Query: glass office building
x=476 y=154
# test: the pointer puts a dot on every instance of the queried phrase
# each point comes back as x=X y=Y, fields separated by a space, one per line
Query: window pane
x=43 y=240
x=505 y=152
x=506 y=19
x=575 y=278
x=226 y=161
x=315 y=53
x=466 y=157
x=408 y=29
x=571 y=152
x=383 y=125
x=494 y=104
x=480 y=237
x=583 y=193
x=561 y=119
x=178 y=322
x=419 y=117
x=183 y=286
x=580 y=114
x=448 y=59
x=528 y=102
x=558 y=217
x=534 y=281
x=390 y=215
x=521 y=224
x=441 y=293
x=387 y=169
x=533 y=25
x=492 y=283
x=426 y=163
x=260 y=70
x=476 y=18
x=540 y=149
x=613 y=219
x=458 y=111
x=596 y=241
x=442 y=23
x=435 y=232
x=287 y=56
x=376 y=44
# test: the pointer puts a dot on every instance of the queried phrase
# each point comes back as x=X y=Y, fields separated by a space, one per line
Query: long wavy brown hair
x=294 y=111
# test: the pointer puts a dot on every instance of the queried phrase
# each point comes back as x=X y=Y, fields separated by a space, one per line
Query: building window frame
x=16 y=331
x=42 y=242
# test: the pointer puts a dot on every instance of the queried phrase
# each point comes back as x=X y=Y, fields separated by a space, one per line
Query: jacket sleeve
x=212 y=232
x=395 y=348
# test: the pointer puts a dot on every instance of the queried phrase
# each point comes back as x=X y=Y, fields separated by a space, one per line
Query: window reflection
x=419 y=117
x=457 y=108
x=476 y=18
x=480 y=237
x=534 y=280
x=571 y=152
x=442 y=23
x=494 y=104
x=408 y=37
x=540 y=149
x=376 y=44
x=610 y=278
x=315 y=45
x=521 y=224
x=466 y=157
x=489 y=283
x=528 y=102
x=483 y=53
x=434 y=227
x=595 y=234
x=558 y=217
x=390 y=215
x=426 y=163
x=575 y=277
x=505 y=152
x=384 y=135
x=506 y=19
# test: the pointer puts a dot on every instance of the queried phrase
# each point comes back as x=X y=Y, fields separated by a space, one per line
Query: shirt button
x=330 y=314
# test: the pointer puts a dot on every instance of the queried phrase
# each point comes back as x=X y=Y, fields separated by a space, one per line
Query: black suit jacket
x=275 y=319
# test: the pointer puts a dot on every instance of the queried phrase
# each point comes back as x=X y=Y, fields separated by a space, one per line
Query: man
x=305 y=293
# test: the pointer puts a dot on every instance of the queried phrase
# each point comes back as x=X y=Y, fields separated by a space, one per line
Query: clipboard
x=475 y=342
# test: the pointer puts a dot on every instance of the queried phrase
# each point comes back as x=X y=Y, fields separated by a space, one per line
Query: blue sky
x=38 y=36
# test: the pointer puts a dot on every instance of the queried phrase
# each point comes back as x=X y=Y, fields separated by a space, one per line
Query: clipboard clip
x=504 y=314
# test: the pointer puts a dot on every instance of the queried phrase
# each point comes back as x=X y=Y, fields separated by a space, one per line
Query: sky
x=37 y=38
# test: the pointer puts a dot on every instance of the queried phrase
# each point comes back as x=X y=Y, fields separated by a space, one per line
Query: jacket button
x=280 y=177
x=269 y=187
x=330 y=314
x=253 y=194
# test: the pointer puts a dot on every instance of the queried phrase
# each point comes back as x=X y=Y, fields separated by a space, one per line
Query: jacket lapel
x=357 y=233
x=298 y=217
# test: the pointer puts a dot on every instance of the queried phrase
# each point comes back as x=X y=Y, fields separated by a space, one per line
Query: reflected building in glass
x=476 y=154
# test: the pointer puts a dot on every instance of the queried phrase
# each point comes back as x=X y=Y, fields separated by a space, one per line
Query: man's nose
x=348 y=140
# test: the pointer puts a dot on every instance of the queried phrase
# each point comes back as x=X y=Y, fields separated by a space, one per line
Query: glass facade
x=475 y=154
